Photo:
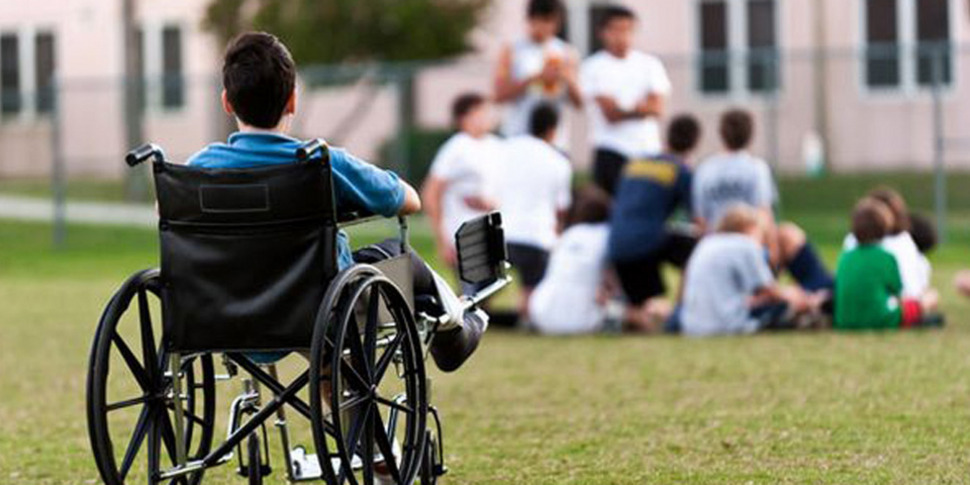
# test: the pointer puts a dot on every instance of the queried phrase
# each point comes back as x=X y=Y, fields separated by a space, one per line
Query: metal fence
x=833 y=111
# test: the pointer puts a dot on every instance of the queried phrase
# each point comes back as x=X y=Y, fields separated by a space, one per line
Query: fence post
x=405 y=122
x=940 y=202
x=57 y=170
x=772 y=66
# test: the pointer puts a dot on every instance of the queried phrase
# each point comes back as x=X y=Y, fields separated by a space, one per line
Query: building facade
x=880 y=82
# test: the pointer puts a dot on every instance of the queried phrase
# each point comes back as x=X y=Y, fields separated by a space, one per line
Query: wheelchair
x=249 y=266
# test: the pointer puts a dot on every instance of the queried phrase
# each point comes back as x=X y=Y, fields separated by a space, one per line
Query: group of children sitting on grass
x=717 y=223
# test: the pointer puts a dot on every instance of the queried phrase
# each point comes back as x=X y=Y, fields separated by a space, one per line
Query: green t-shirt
x=867 y=287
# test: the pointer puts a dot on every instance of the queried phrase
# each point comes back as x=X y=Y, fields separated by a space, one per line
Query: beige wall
x=864 y=130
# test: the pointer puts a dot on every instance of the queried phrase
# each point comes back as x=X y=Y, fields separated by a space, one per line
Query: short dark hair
x=737 y=128
x=259 y=76
x=544 y=118
x=871 y=219
x=614 y=12
x=591 y=205
x=683 y=133
x=544 y=9
x=465 y=103
x=923 y=231
x=897 y=205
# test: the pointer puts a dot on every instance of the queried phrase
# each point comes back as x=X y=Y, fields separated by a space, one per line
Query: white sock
x=450 y=302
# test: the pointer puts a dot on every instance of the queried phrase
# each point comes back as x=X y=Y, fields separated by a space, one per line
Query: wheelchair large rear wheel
x=130 y=393
x=367 y=367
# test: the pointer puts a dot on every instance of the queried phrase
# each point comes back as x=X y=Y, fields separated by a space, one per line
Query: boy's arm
x=412 y=202
x=432 y=193
x=505 y=88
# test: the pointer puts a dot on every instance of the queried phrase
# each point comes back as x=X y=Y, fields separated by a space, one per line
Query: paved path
x=40 y=209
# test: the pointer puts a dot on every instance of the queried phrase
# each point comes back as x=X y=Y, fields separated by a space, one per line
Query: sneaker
x=452 y=347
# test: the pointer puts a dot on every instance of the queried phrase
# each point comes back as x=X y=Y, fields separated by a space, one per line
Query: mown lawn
x=808 y=408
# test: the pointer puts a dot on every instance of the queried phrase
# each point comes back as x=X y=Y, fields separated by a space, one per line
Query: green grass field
x=800 y=408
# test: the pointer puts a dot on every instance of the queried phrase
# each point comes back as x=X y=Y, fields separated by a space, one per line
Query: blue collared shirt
x=358 y=185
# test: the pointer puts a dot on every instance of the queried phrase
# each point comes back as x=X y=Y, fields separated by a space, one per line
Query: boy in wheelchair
x=259 y=80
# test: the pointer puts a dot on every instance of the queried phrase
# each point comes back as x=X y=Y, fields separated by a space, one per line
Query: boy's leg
x=530 y=262
x=456 y=339
x=802 y=260
x=607 y=169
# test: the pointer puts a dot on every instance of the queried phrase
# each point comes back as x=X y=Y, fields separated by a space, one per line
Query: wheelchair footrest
x=306 y=466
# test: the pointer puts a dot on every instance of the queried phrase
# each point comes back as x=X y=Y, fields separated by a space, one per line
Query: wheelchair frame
x=330 y=360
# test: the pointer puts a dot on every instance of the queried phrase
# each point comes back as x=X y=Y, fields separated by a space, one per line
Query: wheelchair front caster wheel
x=255 y=469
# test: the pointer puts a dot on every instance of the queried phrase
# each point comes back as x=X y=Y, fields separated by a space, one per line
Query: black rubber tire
x=337 y=328
x=255 y=460
x=154 y=423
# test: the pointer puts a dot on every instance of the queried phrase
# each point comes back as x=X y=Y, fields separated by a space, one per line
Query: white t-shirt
x=914 y=269
x=532 y=186
x=528 y=59
x=628 y=81
x=468 y=166
x=565 y=300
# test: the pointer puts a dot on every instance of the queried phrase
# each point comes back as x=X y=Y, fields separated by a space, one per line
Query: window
x=908 y=43
x=882 y=37
x=933 y=42
x=10 y=89
x=715 y=60
x=160 y=60
x=762 y=61
x=44 y=71
x=173 y=83
x=738 y=46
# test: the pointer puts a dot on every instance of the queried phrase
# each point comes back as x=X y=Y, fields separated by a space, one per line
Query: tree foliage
x=332 y=31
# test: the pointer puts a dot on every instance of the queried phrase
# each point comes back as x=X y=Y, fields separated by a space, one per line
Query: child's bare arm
x=412 y=202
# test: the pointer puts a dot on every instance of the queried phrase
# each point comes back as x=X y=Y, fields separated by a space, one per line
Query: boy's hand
x=480 y=203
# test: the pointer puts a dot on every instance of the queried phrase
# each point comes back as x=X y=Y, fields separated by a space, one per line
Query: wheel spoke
x=147 y=335
x=168 y=435
x=370 y=330
x=134 y=445
x=357 y=401
x=396 y=405
x=351 y=445
x=387 y=357
x=353 y=342
x=126 y=403
x=360 y=382
x=367 y=457
x=154 y=434
x=384 y=443
x=136 y=369
x=188 y=414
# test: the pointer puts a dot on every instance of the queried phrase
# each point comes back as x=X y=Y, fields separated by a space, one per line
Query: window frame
x=153 y=69
x=738 y=51
x=907 y=25
x=27 y=72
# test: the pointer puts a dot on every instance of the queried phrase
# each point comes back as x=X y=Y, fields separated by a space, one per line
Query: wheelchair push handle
x=143 y=153
x=310 y=148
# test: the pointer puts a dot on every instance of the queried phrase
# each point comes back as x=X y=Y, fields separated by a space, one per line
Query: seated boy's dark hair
x=871 y=220
x=614 y=12
x=683 y=133
x=544 y=9
x=591 y=205
x=259 y=75
x=923 y=231
x=897 y=204
x=737 y=128
x=544 y=118
x=464 y=104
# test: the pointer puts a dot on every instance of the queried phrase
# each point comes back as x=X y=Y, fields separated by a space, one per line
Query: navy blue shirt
x=358 y=185
x=650 y=190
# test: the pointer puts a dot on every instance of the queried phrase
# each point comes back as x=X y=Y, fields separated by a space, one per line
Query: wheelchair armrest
x=353 y=218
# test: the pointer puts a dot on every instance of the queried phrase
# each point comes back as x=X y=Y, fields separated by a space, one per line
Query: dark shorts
x=773 y=317
x=608 y=169
x=530 y=262
x=642 y=279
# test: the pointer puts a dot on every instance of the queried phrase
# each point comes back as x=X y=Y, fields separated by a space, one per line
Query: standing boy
x=627 y=89
x=461 y=184
x=534 y=193
x=539 y=68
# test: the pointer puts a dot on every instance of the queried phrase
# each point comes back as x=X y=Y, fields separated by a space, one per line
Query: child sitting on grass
x=868 y=286
x=729 y=287
x=575 y=296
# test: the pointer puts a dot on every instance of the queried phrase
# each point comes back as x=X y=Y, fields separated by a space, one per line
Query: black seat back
x=246 y=255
